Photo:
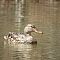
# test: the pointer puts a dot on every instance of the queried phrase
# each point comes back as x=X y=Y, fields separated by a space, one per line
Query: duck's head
x=30 y=28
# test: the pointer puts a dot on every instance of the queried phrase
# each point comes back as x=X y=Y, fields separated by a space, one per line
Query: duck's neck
x=27 y=34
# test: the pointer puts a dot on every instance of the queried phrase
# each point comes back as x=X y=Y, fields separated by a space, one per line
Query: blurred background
x=16 y=14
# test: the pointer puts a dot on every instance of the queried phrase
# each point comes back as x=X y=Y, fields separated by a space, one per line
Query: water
x=15 y=14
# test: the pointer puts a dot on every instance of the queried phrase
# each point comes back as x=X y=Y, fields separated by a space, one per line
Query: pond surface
x=16 y=14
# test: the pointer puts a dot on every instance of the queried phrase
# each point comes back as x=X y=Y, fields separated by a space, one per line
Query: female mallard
x=23 y=38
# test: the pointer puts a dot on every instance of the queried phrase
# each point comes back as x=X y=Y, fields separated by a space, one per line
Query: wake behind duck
x=26 y=37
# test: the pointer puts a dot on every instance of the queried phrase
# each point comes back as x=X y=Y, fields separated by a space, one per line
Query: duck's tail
x=5 y=37
x=8 y=36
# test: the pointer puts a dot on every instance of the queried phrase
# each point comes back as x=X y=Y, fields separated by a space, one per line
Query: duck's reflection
x=23 y=50
x=19 y=51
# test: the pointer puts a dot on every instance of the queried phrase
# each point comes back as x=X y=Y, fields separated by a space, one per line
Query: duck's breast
x=29 y=38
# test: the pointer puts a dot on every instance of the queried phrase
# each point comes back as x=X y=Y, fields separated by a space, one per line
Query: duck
x=25 y=37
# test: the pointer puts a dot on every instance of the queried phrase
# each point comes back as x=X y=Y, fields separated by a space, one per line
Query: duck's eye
x=33 y=26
